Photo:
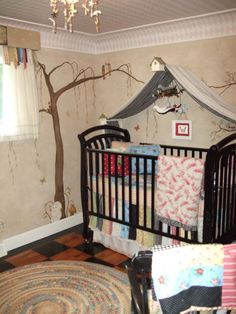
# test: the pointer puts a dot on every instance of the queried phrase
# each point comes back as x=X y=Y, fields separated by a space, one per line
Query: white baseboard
x=39 y=233
x=3 y=250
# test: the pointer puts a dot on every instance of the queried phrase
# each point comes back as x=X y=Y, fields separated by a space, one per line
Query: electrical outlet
x=2 y=226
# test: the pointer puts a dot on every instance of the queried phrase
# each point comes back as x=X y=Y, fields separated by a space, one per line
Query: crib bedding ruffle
x=120 y=230
x=143 y=238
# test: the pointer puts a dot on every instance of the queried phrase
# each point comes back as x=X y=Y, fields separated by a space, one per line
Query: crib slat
x=123 y=186
x=228 y=194
x=160 y=224
x=103 y=184
x=218 y=201
x=116 y=189
x=137 y=191
x=109 y=185
x=223 y=203
x=233 y=220
x=90 y=156
x=96 y=178
x=130 y=188
x=186 y=234
x=153 y=184
x=145 y=191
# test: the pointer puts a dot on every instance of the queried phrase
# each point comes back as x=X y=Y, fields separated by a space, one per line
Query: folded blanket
x=194 y=276
x=179 y=184
x=229 y=282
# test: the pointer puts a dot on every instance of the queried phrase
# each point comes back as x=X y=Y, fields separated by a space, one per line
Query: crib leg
x=133 y=307
x=87 y=235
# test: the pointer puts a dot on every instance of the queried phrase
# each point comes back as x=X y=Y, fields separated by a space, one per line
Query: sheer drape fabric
x=193 y=85
x=19 y=101
x=204 y=95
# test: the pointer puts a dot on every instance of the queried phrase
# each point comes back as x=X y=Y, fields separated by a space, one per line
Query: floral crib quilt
x=178 y=192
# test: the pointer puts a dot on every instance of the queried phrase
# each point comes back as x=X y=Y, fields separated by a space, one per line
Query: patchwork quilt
x=194 y=277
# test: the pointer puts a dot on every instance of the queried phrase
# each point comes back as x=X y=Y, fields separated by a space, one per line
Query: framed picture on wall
x=182 y=129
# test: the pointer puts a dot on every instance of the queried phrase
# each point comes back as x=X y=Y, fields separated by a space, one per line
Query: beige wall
x=27 y=169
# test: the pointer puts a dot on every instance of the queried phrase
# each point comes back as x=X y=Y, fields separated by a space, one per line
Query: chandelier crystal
x=90 y=8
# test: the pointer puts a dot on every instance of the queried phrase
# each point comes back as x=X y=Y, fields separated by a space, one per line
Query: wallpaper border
x=219 y=24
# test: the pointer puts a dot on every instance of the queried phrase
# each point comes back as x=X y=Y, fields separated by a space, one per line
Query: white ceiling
x=116 y=15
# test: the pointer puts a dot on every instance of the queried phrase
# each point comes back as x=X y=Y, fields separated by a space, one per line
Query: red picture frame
x=182 y=129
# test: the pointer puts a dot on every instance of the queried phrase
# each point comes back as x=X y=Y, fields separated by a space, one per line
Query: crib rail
x=182 y=151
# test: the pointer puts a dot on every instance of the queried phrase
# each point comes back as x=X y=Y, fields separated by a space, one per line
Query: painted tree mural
x=82 y=76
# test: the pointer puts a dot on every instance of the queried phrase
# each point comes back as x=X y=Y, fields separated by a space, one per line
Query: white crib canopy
x=191 y=84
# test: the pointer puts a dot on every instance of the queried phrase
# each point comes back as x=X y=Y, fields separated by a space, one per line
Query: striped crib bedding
x=115 y=200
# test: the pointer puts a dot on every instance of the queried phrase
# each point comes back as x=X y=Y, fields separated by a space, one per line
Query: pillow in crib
x=112 y=163
x=122 y=146
x=152 y=150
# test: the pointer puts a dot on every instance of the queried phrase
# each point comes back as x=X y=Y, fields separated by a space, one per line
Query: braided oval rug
x=64 y=287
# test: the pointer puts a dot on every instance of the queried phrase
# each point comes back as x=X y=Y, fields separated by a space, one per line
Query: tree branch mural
x=229 y=82
x=224 y=126
x=80 y=78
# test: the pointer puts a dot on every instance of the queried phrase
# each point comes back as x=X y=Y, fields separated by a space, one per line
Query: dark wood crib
x=129 y=198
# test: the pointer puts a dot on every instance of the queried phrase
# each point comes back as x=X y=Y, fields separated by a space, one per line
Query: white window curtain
x=19 y=101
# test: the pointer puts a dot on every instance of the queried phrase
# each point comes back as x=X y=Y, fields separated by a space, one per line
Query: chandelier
x=90 y=8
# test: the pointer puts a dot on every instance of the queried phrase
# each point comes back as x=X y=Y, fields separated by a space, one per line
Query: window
x=18 y=96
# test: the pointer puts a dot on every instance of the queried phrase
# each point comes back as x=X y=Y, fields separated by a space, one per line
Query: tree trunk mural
x=79 y=79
